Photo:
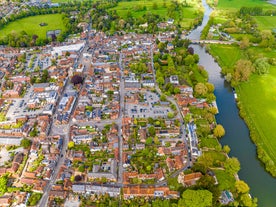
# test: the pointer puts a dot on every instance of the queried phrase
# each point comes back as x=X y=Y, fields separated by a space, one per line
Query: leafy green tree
x=151 y=131
x=189 y=60
x=243 y=70
x=170 y=115
x=34 y=198
x=210 y=87
x=3 y=184
x=81 y=168
x=261 y=66
x=268 y=39
x=201 y=89
x=232 y=165
x=244 y=43
x=241 y=187
x=25 y=143
x=149 y=141
x=196 y=198
x=226 y=149
x=71 y=144
x=219 y=131
x=246 y=200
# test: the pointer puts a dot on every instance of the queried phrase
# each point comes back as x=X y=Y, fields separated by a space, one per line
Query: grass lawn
x=209 y=142
x=266 y=22
x=258 y=98
x=227 y=55
x=31 y=25
x=226 y=181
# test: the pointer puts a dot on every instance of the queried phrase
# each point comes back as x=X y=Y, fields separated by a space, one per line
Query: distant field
x=189 y=13
x=31 y=25
x=266 y=22
x=258 y=98
x=237 y=4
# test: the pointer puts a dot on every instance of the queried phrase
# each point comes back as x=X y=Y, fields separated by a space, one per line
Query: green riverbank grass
x=226 y=55
x=31 y=25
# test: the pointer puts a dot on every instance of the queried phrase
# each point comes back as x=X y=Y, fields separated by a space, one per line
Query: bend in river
x=261 y=183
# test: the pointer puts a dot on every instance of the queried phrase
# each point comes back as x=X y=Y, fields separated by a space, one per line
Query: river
x=262 y=184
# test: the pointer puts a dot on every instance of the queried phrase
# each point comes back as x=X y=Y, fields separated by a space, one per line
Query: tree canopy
x=232 y=165
x=219 y=131
x=241 y=186
x=25 y=143
x=196 y=198
x=76 y=79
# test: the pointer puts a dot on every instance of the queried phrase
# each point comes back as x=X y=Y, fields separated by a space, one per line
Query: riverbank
x=256 y=112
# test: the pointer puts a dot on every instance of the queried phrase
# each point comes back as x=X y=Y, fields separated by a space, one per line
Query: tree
x=210 y=87
x=232 y=165
x=151 y=131
x=268 y=39
x=219 y=131
x=190 y=50
x=170 y=115
x=71 y=144
x=243 y=70
x=226 y=149
x=213 y=110
x=163 y=98
x=244 y=43
x=261 y=66
x=201 y=89
x=76 y=79
x=34 y=198
x=189 y=60
x=246 y=200
x=196 y=198
x=161 y=46
x=81 y=169
x=25 y=143
x=3 y=184
x=149 y=141
x=241 y=186
x=156 y=140
x=78 y=178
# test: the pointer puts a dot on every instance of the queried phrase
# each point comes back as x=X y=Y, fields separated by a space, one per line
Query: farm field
x=266 y=22
x=237 y=4
x=257 y=97
x=31 y=25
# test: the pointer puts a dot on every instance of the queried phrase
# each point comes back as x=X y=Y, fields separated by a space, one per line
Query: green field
x=266 y=22
x=258 y=98
x=31 y=25
x=188 y=13
x=226 y=55
x=237 y=4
